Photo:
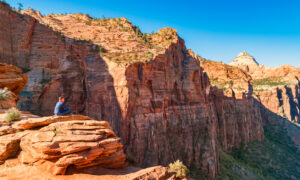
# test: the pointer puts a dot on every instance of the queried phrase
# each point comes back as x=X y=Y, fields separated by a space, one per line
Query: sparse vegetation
x=224 y=85
x=98 y=49
x=44 y=80
x=89 y=22
x=20 y=6
x=179 y=168
x=79 y=41
x=137 y=31
x=12 y=114
x=56 y=131
x=25 y=70
x=274 y=158
x=4 y=94
x=269 y=82
x=149 y=54
x=101 y=50
x=131 y=159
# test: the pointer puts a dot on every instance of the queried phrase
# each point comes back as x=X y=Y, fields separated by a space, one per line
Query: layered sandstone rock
x=14 y=80
x=55 y=143
x=14 y=170
x=238 y=112
x=282 y=100
x=276 y=88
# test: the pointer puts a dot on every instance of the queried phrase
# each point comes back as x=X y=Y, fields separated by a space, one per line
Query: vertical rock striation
x=277 y=88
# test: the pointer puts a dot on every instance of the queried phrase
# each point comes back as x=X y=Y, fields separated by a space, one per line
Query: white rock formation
x=244 y=61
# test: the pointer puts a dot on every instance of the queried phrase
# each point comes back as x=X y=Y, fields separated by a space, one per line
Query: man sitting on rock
x=61 y=108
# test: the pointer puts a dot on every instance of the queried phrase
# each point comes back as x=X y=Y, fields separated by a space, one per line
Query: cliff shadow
x=281 y=126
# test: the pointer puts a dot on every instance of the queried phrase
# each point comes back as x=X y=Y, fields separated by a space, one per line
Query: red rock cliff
x=276 y=88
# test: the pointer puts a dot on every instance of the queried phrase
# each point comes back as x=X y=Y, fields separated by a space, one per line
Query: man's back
x=58 y=107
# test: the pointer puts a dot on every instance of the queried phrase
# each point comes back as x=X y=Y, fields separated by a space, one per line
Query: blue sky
x=217 y=30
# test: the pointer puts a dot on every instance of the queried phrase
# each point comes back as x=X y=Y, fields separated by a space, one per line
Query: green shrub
x=25 y=70
x=89 y=22
x=100 y=49
x=20 y=6
x=131 y=158
x=4 y=94
x=57 y=131
x=12 y=114
x=179 y=168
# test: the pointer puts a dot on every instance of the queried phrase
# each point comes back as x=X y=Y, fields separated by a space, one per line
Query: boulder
x=12 y=77
x=54 y=143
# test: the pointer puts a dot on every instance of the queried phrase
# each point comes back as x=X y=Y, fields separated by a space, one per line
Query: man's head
x=61 y=99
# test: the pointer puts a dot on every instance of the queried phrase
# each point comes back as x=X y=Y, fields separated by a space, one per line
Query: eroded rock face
x=282 y=100
x=276 y=88
x=244 y=61
x=14 y=80
x=238 y=110
x=61 y=142
x=154 y=94
x=10 y=145
x=167 y=106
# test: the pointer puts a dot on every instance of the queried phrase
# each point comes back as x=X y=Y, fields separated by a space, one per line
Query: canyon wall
x=277 y=88
x=163 y=107
x=283 y=100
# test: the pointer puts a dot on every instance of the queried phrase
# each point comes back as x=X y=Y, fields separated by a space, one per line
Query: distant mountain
x=244 y=61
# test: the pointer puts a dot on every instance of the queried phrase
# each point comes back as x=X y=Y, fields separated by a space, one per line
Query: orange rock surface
x=15 y=171
x=276 y=88
x=14 y=80
x=53 y=144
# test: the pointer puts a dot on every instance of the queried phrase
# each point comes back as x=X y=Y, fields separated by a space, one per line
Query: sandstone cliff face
x=238 y=111
x=151 y=90
x=276 y=88
x=282 y=100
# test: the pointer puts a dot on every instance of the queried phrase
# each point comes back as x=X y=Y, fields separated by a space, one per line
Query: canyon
x=162 y=100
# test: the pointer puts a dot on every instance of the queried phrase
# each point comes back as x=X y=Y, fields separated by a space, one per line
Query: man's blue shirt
x=61 y=108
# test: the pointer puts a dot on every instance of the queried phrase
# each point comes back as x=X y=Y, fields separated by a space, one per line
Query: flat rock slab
x=31 y=123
